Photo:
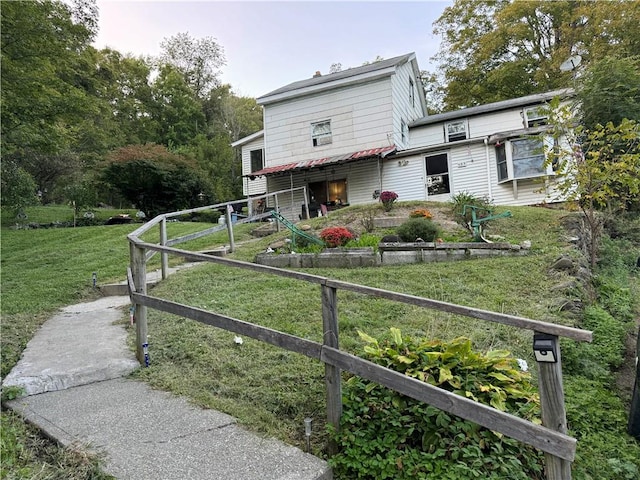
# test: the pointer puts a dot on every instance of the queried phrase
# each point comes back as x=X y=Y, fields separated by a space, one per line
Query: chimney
x=317 y=74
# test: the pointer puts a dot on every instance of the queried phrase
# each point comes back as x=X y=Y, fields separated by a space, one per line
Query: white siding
x=402 y=107
x=360 y=119
x=257 y=186
x=405 y=176
x=468 y=170
x=490 y=123
x=427 y=135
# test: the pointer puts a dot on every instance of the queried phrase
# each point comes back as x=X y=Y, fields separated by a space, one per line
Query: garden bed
x=390 y=253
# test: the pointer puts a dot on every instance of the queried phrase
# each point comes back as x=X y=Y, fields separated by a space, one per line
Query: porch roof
x=320 y=162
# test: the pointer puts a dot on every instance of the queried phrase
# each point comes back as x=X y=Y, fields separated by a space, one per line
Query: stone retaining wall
x=390 y=254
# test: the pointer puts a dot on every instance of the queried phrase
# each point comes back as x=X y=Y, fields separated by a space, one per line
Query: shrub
x=416 y=228
x=388 y=198
x=365 y=240
x=387 y=435
x=421 y=213
x=460 y=200
x=336 y=236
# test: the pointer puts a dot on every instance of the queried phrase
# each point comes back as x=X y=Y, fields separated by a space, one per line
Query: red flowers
x=336 y=236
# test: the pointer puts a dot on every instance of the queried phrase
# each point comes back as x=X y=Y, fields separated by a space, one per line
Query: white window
x=456 y=130
x=321 y=133
x=535 y=117
x=403 y=130
x=521 y=158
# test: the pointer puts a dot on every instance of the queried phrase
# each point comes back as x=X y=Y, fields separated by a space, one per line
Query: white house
x=349 y=135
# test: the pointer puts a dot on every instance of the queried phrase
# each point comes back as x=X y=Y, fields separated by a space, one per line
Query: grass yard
x=271 y=390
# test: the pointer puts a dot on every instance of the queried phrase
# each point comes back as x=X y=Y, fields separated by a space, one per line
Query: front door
x=437 y=174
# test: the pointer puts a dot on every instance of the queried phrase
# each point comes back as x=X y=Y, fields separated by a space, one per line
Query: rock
x=563 y=263
x=526 y=244
x=305 y=228
x=391 y=239
x=277 y=245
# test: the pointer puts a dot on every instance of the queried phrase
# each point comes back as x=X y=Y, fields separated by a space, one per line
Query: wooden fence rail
x=551 y=438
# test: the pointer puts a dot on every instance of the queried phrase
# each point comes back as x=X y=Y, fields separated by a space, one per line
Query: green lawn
x=271 y=390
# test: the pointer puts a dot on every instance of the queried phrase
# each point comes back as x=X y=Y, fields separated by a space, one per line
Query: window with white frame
x=535 y=116
x=257 y=162
x=521 y=158
x=456 y=130
x=403 y=130
x=321 y=133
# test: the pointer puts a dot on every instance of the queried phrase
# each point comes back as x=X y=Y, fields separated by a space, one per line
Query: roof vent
x=317 y=74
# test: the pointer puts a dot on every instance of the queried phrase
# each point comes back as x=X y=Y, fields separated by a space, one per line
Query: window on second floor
x=321 y=133
x=456 y=130
x=521 y=158
x=257 y=160
x=403 y=130
x=412 y=98
x=535 y=117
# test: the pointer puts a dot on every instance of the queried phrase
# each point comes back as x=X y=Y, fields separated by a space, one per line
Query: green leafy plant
x=336 y=236
x=415 y=228
x=364 y=240
x=387 y=435
x=462 y=215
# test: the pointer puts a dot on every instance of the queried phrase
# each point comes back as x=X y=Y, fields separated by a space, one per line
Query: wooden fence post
x=634 y=410
x=139 y=271
x=332 y=374
x=164 y=255
x=553 y=411
x=227 y=216
x=275 y=197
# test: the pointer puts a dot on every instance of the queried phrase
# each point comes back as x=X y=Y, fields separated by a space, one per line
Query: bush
x=365 y=240
x=336 y=236
x=387 y=435
x=416 y=228
x=462 y=199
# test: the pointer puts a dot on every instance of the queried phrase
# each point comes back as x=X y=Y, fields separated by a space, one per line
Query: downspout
x=380 y=174
x=486 y=151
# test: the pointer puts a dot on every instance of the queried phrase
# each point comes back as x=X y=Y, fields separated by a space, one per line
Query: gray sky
x=270 y=44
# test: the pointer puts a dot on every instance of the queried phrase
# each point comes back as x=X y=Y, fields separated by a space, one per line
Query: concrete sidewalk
x=71 y=371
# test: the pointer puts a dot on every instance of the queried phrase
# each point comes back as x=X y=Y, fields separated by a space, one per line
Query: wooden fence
x=551 y=437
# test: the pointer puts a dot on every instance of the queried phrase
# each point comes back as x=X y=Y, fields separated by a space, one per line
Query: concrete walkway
x=72 y=372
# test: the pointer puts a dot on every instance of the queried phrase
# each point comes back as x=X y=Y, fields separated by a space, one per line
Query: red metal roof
x=307 y=164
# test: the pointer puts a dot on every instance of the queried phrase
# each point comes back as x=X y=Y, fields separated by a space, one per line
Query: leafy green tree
x=155 y=179
x=597 y=168
x=496 y=50
x=43 y=103
x=177 y=111
x=609 y=91
x=198 y=60
x=17 y=187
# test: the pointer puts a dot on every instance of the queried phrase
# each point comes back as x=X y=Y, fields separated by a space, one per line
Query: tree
x=596 y=167
x=502 y=49
x=177 y=111
x=17 y=188
x=42 y=101
x=609 y=91
x=155 y=179
x=198 y=60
